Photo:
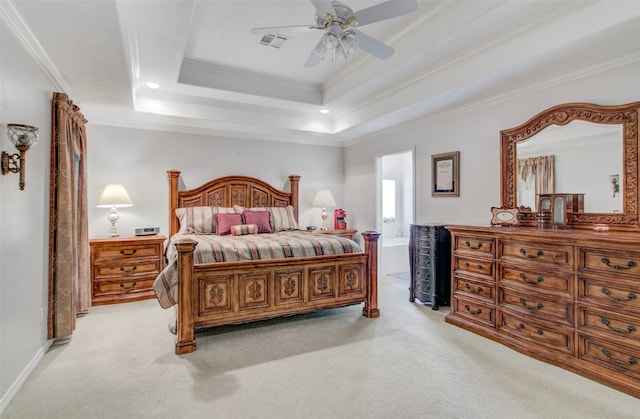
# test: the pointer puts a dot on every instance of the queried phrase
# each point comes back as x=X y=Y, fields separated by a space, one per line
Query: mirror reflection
x=580 y=157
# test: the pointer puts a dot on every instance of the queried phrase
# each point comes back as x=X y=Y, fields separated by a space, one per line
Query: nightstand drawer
x=125 y=251
x=122 y=285
x=128 y=268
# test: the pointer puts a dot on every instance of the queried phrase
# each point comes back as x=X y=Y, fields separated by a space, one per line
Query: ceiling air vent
x=274 y=40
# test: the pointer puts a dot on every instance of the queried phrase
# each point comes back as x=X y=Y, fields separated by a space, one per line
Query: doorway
x=395 y=210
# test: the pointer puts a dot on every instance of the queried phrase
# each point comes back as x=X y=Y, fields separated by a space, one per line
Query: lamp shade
x=324 y=198
x=22 y=135
x=114 y=195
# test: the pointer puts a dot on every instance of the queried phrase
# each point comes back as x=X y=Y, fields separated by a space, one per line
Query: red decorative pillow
x=225 y=221
x=260 y=218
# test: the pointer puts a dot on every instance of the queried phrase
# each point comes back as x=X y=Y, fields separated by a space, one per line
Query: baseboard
x=13 y=390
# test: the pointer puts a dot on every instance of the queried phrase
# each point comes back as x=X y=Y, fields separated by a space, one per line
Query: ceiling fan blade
x=373 y=46
x=282 y=29
x=312 y=61
x=324 y=7
x=385 y=10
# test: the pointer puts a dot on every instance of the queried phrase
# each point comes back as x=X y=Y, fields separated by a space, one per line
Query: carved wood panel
x=351 y=280
x=253 y=290
x=322 y=282
x=289 y=286
x=215 y=294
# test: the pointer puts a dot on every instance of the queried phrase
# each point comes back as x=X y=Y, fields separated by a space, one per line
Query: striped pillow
x=282 y=218
x=242 y=229
x=200 y=220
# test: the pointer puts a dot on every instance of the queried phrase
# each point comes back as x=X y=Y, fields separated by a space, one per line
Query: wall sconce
x=615 y=183
x=114 y=196
x=324 y=199
x=23 y=137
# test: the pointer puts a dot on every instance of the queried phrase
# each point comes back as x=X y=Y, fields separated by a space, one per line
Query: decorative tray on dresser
x=568 y=297
x=123 y=268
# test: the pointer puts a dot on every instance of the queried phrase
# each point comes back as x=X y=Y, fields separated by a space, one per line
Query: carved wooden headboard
x=229 y=191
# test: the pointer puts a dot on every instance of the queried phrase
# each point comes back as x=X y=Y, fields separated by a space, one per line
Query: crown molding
x=12 y=18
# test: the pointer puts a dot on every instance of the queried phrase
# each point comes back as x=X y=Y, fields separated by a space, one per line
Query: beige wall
x=476 y=134
x=25 y=98
x=139 y=160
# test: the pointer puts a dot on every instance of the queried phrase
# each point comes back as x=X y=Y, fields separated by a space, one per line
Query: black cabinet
x=430 y=264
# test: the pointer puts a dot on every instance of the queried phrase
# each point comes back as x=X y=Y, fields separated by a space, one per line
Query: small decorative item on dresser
x=504 y=216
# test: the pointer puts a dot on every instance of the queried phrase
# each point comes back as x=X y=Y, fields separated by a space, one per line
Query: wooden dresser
x=567 y=297
x=123 y=268
x=430 y=264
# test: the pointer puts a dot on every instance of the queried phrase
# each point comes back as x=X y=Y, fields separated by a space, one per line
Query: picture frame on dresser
x=445 y=174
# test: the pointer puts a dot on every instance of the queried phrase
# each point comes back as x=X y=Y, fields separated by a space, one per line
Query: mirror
x=595 y=152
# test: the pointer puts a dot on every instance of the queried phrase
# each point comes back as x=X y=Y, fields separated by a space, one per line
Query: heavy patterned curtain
x=540 y=167
x=69 y=275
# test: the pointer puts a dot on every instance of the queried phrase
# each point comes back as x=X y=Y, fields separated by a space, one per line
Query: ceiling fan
x=338 y=21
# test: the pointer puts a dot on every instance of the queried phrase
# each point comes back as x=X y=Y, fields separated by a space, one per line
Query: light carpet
x=408 y=363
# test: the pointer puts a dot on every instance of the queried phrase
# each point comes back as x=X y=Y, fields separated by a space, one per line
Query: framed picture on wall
x=445 y=174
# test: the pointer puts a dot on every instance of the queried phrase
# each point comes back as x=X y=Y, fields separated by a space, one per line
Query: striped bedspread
x=213 y=248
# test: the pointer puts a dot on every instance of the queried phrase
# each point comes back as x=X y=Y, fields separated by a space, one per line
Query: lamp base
x=113 y=217
x=324 y=219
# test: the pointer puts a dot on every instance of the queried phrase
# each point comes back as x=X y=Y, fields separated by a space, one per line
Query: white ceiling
x=216 y=78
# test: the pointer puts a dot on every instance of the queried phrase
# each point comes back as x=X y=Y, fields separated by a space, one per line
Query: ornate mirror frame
x=626 y=115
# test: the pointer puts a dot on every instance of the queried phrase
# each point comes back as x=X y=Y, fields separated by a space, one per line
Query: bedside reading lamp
x=23 y=137
x=324 y=199
x=114 y=196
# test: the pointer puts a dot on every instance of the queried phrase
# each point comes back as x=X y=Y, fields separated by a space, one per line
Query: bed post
x=293 y=188
x=173 y=176
x=370 y=308
x=186 y=294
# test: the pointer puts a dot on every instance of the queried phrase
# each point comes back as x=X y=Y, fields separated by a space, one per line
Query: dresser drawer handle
x=123 y=286
x=538 y=332
x=632 y=360
x=538 y=306
x=630 y=264
x=529 y=281
x=475 y=313
x=476 y=291
x=128 y=271
x=630 y=329
x=478 y=247
x=537 y=255
x=630 y=296
x=128 y=252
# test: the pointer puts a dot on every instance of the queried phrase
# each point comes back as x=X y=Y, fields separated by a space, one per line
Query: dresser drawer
x=479 y=245
x=540 y=333
x=610 y=325
x=611 y=262
x=559 y=256
x=619 y=295
x=535 y=305
x=475 y=266
x=552 y=281
x=475 y=288
x=127 y=268
x=120 y=286
x=474 y=310
x=610 y=355
x=125 y=251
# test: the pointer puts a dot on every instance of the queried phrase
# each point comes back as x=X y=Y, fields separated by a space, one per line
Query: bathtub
x=393 y=255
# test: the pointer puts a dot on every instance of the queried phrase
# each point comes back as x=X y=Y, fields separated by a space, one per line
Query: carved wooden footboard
x=215 y=294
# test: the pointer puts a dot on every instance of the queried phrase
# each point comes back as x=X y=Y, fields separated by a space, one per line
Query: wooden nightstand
x=123 y=268
x=348 y=233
